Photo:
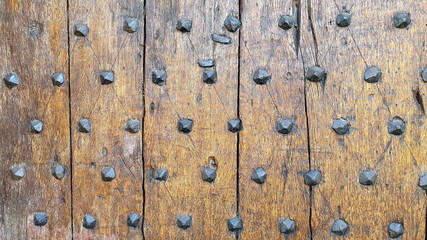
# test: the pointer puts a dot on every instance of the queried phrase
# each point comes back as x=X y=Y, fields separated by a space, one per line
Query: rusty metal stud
x=184 y=222
x=85 y=125
x=285 y=126
x=59 y=171
x=108 y=174
x=312 y=177
x=235 y=125
x=130 y=25
x=395 y=230
x=232 y=23
x=396 y=126
x=159 y=77
x=17 y=173
x=57 y=79
x=36 y=126
x=208 y=174
x=286 y=22
x=367 y=177
x=221 y=38
x=184 y=25
x=81 y=30
x=234 y=224
x=423 y=182
x=287 y=226
x=315 y=74
x=340 y=227
x=185 y=125
x=40 y=219
x=133 y=126
x=209 y=76
x=341 y=126
x=343 y=19
x=372 y=74
x=107 y=77
x=89 y=222
x=12 y=80
x=161 y=174
x=206 y=63
x=133 y=220
x=402 y=19
x=424 y=74
x=261 y=76
x=259 y=176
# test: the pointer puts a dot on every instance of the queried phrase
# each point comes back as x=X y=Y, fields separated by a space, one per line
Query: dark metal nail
x=161 y=174
x=234 y=224
x=57 y=79
x=343 y=19
x=185 y=125
x=341 y=126
x=315 y=74
x=130 y=25
x=232 y=23
x=133 y=126
x=285 y=126
x=286 y=22
x=423 y=182
x=261 y=76
x=17 y=173
x=395 y=230
x=235 y=125
x=208 y=174
x=367 y=177
x=206 y=63
x=89 y=222
x=259 y=175
x=159 y=77
x=133 y=220
x=36 y=126
x=184 y=25
x=372 y=74
x=85 y=125
x=287 y=226
x=221 y=39
x=184 y=222
x=107 y=77
x=108 y=174
x=209 y=76
x=340 y=227
x=81 y=30
x=12 y=80
x=396 y=126
x=402 y=19
x=40 y=219
x=424 y=74
x=312 y=177
x=59 y=171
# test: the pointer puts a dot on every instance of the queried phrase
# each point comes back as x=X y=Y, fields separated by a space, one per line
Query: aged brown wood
x=34 y=46
x=183 y=96
x=108 y=47
x=370 y=40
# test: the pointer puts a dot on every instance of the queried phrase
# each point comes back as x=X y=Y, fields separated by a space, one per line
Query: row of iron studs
x=341 y=126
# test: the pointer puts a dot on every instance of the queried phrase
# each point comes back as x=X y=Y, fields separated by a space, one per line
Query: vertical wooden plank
x=345 y=52
x=107 y=47
x=33 y=44
x=284 y=157
x=186 y=96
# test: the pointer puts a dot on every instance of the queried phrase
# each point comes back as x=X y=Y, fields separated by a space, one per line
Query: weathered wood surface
x=34 y=46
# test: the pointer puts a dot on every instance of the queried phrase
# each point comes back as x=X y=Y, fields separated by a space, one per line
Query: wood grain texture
x=33 y=44
x=283 y=157
x=107 y=48
x=185 y=95
x=370 y=40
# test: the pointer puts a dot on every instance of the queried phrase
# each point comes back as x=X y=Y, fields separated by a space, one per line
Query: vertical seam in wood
x=143 y=118
x=238 y=116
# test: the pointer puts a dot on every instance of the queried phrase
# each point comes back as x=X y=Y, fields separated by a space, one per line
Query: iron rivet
x=234 y=224
x=130 y=25
x=36 y=126
x=341 y=126
x=221 y=39
x=287 y=226
x=206 y=63
x=340 y=227
x=184 y=25
x=285 y=126
x=395 y=230
x=89 y=222
x=343 y=19
x=185 y=125
x=312 y=177
x=208 y=174
x=85 y=125
x=396 y=126
x=12 y=80
x=367 y=177
x=107 y=77
x=316 y=74
x=423 y=182
x=57 y=79
x=184 y=222
x=161 y=174
x=286 y=22
x=59 y=171
x=133 y=126
x=424 y=74
x=235 y=125
x=35 y=29
x=372 y=74
x=108 y=174
x=232 y=23
x=133 y=220
x=261 y=76
x=209 y=76
x=17 y=173
x=81 y=30
x=259 y=176
x=159 y=77
x=40 y=219
x=402 y=20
